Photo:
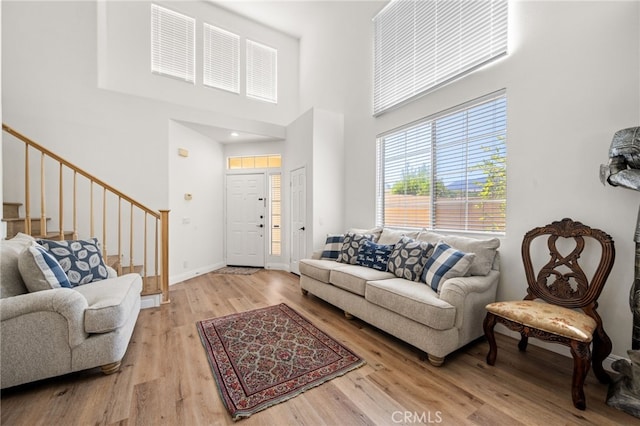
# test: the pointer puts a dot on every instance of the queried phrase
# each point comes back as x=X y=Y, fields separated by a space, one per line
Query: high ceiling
x=294 y=17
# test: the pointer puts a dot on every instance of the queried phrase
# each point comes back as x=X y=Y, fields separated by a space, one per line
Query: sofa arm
x=68 y=303
x=455 y=290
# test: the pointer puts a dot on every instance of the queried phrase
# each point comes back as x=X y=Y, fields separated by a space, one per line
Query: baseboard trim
x=175 y=279
x=150 y=301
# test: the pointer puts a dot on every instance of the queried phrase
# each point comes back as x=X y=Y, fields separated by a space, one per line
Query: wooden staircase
x=139 y=234
x=16 y=223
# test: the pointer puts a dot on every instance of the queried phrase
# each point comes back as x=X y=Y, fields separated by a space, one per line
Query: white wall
x=196 y=226
x=125 y=46
x=54 y=55
x=572 y=81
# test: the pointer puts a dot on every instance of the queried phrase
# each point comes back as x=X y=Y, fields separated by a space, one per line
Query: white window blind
x=420 y=45
x=221 y=58
x=262 y=72
x=446 y=172
x=172 y=44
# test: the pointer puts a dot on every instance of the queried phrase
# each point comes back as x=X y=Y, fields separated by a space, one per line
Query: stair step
x=151 y=285
x=15 y=225
x=11 y=210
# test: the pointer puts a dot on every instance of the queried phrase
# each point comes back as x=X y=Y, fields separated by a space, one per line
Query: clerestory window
x=420 y=45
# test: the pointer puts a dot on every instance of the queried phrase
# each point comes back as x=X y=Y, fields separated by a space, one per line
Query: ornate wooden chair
x=569 y=315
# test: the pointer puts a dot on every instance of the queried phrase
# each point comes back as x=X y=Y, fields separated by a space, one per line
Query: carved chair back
x=562 y=281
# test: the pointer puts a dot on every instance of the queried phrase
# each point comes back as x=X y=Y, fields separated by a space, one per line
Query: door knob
x=301 y=229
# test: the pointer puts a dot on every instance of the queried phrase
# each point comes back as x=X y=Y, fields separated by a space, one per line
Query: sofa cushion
x=11 y=283
x=318 y=269
x=374 y=256
x=332 y=247
x=485 y=251
x=110 y=302
x=392 y=236
x=41 y=271
x=351 y=246
x=81 y=260
x=413 y=300
x=353 y=278
x=445 y=262
x=375 y=231
x=408 y=258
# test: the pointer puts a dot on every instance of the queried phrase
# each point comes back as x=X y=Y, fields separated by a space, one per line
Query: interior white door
x=298 y=218
x=246 y=210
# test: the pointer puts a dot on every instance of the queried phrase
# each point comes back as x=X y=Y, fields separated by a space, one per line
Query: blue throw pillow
x=81 y=260
x=375 y=256
x=332 y=247
x=445 y=262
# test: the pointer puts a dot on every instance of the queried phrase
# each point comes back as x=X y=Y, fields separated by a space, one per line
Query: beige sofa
x=61 y=330
x=437 y=322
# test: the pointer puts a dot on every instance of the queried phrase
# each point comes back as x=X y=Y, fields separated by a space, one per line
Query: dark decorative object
x=623 y=170
x=565 y=287
x=265 y=356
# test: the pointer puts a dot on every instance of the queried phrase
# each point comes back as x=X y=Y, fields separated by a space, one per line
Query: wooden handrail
x=72 y=166
x=159 y=283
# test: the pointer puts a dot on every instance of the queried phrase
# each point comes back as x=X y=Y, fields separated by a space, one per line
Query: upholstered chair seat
x=546 y=317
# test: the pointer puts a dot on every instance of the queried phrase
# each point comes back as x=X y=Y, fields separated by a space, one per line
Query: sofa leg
x=110 y=368
x=304 y=292
x=347 y=315
x=436 y=361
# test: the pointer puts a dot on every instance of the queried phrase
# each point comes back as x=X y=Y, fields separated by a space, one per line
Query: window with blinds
x=172 y=44
x=275 y=183
x=262 y=72
x=422 y=45
x=446 y=172
x=221 y=58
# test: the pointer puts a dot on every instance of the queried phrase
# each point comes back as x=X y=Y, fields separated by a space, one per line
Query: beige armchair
x=61 y=330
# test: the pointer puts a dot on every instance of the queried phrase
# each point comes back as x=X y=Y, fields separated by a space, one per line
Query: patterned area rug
x=263 y=357
x=236 y=270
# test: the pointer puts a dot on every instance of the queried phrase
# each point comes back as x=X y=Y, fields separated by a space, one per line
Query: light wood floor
x=165 y=378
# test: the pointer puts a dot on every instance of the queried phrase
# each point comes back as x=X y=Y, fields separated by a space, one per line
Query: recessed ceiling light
x=235 y=134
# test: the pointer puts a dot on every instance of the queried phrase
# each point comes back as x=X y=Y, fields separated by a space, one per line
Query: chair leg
x=488 y=325
x=581 y=363
x=523 y=343
x=601 y=349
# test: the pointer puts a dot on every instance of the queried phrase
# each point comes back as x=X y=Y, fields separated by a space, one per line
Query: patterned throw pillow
x=375 y=256
x=408 y=258
x=446 y=262
x=80 y=259
x=351 y=246
x=41 y=271
x=332 y=247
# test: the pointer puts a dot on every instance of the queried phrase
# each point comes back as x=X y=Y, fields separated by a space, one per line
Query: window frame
x=228 y=67
x=420 y=46
x=430 y=136
x=186 y=46
x=259 y=89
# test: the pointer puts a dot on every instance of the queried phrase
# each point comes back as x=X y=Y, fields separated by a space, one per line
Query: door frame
x=292 y=228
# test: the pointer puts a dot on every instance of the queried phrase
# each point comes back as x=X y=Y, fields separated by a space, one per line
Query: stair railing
x=156 y=283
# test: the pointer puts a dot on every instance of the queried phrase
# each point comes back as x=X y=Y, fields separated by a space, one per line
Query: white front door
x=246 y=210
x=298 y=218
